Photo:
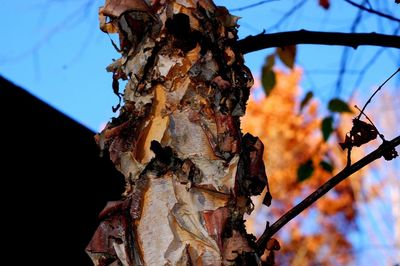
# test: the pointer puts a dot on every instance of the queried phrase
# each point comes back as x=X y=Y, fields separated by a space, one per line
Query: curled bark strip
x=215 y=223
x=114 y=8
x=112 y=241
x=251 y=177
x=228 y=135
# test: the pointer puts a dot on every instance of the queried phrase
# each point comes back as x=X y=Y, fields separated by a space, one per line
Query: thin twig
x=372 y=11
x=367 y=65
x=371 y=61
x=376 y=91
x=287 y=15
x=345 y=53
x=322 y=190
x=252 y=5
x=348 y=163
x=265 y=40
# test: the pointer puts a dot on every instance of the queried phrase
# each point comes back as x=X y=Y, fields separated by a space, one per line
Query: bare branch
x=372 y=11
x=371 y=61
x=264 y=40
x=322 y=190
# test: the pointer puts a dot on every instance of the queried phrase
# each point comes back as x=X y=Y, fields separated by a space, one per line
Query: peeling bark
x=189 y=170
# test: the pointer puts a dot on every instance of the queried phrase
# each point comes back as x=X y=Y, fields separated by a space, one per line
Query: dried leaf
x=327 y=127
x=324 y=3
x=273 y=244
x=287 y=55
x=360 y=134
x=339 y=106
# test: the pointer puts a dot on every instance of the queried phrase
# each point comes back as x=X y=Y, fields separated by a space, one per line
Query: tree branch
x=322 y=190
x=372 y=11
x=263 y=40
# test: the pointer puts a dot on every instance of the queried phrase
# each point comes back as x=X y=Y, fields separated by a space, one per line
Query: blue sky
x=54 y=49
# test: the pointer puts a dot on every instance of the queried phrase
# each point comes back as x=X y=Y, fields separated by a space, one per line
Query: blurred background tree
x=294 y=140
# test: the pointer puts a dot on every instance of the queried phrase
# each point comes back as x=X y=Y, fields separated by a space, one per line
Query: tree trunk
x=189 y=170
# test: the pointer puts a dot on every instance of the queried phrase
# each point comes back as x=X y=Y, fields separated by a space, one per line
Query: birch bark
x=189 y=170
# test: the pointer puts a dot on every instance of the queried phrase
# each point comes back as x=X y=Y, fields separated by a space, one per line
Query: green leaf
x=306 y=99
x=287 y=55
x=327 y=127
x=339 y=106
x=268 y=80
x=327 y=166
x=269 y=61
x=305 y=171
x=268 y=76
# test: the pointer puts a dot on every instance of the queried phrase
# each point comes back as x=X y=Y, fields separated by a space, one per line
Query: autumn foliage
x=298 y=161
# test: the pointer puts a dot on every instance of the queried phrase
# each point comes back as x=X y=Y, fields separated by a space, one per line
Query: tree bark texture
x=189 y=170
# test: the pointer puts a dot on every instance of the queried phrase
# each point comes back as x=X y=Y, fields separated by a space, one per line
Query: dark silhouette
x=54 y=183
